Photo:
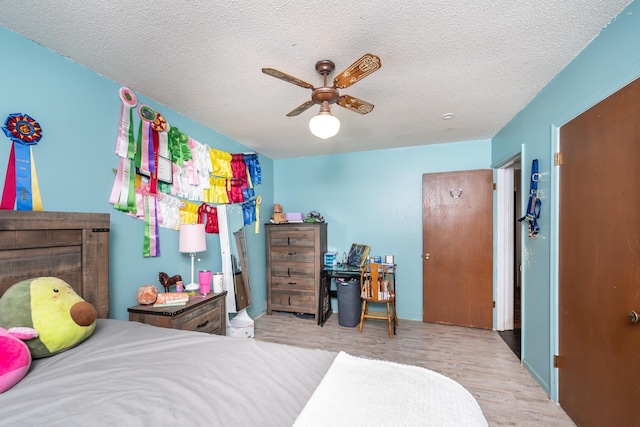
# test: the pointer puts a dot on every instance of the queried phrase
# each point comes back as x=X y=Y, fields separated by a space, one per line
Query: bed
x=134 y=374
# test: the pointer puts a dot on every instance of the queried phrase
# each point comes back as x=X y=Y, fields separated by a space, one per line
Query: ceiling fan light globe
x=324 y=125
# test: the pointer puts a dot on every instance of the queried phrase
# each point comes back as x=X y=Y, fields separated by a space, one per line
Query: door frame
x=593 y=98
x=504 y=243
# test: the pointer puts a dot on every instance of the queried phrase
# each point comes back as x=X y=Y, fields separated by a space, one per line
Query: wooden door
x=599 y=263
x=457 y=242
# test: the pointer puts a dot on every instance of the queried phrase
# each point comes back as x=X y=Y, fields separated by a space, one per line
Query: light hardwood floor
x=477 y=359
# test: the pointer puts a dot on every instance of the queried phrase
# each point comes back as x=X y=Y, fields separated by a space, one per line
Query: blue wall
x=609 y=62
x=375 y=198
x=79 y=112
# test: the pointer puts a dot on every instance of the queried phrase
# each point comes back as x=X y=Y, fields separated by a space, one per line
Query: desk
x=341 y=271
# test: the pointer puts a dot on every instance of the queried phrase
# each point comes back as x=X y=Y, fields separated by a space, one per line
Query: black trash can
x=349 y=302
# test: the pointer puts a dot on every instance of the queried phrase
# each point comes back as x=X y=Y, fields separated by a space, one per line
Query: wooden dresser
x=201 y=314
x=73 y=246
x=296 y=280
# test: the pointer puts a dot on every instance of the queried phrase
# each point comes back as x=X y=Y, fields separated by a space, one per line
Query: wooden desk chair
x=376 y=287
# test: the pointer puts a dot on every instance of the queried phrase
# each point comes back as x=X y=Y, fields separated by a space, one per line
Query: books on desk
x=169 y=299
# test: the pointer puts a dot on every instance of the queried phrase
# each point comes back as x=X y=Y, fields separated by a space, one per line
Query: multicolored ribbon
x=21 y=181
x=125 y=145
x=257 y=225
x=158 y=125
x=151 y=237
x=179 y=146
x=144 y=154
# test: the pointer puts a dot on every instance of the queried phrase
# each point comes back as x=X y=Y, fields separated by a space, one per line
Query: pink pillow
x=15 y=357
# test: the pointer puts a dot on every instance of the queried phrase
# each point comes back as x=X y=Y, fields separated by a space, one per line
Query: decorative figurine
x=167 y=281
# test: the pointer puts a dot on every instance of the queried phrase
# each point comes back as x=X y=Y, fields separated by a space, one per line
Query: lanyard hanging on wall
x=535 y=204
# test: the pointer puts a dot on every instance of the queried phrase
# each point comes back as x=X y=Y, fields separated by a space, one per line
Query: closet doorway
x=509 y=233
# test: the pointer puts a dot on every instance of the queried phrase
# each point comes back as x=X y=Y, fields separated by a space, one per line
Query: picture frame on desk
x=358 y=255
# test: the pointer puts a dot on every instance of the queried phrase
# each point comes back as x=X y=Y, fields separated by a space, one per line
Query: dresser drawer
x=292 y=301
x=292 y=269
x=205 y=319
x=293 y=254
x=293 y=283
x=289 y=236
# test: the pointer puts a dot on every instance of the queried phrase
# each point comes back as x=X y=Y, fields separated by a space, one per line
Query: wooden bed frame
x=70 y=245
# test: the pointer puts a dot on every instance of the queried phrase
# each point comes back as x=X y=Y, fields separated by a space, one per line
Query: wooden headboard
x=70 y=245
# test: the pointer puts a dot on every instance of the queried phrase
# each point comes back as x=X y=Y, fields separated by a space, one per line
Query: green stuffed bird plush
x=50 y=306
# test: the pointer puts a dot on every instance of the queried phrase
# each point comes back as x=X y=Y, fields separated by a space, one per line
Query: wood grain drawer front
x=204 y=319
x=294 y=270
x=293 y=254
x=293 y=237
x=293 y=284
x=288 y=301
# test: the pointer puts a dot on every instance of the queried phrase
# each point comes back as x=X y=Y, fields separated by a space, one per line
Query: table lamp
x=192 y=240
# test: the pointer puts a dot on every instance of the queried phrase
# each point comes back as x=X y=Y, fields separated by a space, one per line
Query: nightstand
x=200 y=314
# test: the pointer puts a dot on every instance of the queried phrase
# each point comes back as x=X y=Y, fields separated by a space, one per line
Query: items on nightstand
x=170 y=299
x=204 y=278
x=192 y=240
x=147 y=294
x=218 y=282
x=167 y=281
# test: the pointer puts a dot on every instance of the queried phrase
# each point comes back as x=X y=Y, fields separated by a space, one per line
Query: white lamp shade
x=192 y=238
x=324 y=125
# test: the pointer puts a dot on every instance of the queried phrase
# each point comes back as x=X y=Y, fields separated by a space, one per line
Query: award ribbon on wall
x=158 y=126
x=144 y=154
x=257 y=226
x=125 y=145
x=21 y=182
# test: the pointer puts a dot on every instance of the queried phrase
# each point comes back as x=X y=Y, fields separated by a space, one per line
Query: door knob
x=427 y=256
x=633 y=316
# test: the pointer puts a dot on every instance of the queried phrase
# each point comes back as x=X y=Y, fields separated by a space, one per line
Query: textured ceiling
x=480 y=60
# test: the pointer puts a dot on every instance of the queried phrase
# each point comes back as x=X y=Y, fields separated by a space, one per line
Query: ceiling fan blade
x=357 y=71
x=301 y=108
x=355 y=104
x=287 y=78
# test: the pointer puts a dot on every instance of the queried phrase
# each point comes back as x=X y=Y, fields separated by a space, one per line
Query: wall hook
x=456 y=196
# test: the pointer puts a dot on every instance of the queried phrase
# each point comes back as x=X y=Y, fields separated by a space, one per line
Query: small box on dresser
x=295 y=266
x=201 y=314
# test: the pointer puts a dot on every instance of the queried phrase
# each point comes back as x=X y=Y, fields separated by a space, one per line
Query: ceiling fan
x=326 y=95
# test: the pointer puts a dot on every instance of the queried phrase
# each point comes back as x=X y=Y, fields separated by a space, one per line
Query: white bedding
x=363 y=392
